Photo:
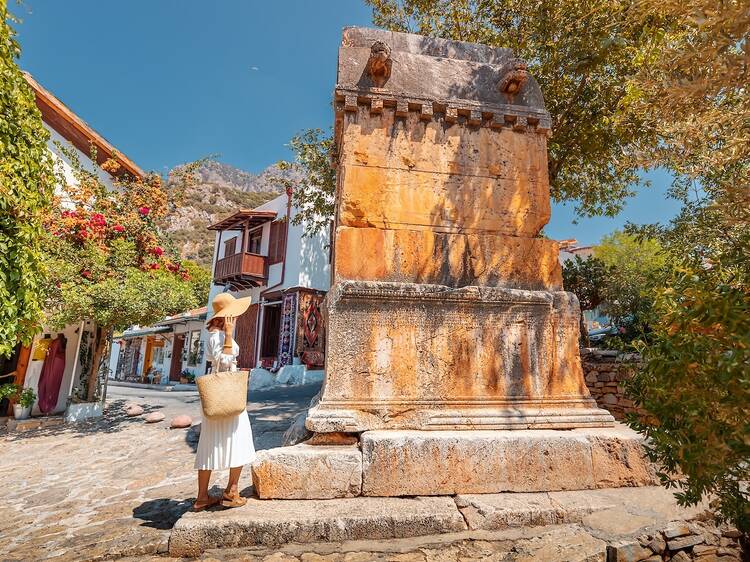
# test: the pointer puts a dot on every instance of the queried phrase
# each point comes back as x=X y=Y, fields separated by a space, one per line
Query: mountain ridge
x=218 y=191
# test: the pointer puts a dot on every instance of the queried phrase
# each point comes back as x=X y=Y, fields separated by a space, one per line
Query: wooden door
x=244 y=335
x=175 y=367
x=147 y=358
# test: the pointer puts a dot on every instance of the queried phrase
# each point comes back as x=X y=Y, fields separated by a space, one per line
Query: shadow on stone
x=162 y=513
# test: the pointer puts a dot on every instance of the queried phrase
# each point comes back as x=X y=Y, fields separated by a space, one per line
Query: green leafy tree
x=26 y=187
x=586 y=278
x=315 y=155
x=200 y=279
x=583 y=54
x=636 y=265
x=695 y=383
x=106 y=257
x=696 y=379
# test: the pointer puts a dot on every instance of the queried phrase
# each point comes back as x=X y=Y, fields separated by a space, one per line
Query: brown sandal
x=212 y=501
x=233 y=500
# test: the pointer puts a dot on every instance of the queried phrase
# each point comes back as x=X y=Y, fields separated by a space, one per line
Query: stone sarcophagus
x=447 y=309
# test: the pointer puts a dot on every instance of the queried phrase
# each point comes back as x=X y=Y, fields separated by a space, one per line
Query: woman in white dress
x=224 y=443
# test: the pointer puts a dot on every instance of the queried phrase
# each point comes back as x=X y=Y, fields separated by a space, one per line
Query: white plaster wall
x=114 y=357
x=193 y=326
x=64 y=167
x=72 y=333
x=224 y=236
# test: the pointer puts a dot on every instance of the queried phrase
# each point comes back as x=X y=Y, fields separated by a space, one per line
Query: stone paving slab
x=277 y=522
x=568 y=543
x=602 y=515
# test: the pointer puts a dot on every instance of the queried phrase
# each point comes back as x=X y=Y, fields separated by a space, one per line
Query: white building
x=25 y=367
x=166 y=352
x=261 y=253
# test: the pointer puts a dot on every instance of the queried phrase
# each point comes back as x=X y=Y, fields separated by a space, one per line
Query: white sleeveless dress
x=226 y=443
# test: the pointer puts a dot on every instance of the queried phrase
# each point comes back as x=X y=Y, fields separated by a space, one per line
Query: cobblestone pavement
x=114 y=486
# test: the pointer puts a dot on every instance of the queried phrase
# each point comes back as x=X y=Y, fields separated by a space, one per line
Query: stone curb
x=277 y=522
x=623 y=520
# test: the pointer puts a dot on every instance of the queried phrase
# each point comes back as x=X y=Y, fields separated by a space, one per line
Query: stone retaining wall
x=605 y=370
x=680 y=542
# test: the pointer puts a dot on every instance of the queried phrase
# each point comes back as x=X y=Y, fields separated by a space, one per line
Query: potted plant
x=26 y=399
x=23 y=399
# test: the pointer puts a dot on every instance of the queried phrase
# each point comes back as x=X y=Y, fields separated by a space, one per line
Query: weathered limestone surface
x=400 y=463
x=279 y=522
x=453 y=260
x=395 y=198
x=306 y=471
x=446 y=310
x=501 y=511
x=387 y=141
x=431 y=357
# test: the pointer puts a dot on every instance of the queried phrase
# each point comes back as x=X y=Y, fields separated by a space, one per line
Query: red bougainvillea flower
x=156 y=250
x=68 y=214
x=118 y=228
x=97 y=219
x=144 y=211
x=173 y=267
x=83 y=233
x=86 y=274
x=153 y=266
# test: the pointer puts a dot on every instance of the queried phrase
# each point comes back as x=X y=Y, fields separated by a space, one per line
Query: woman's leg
x=234 y=481
x=204 y=477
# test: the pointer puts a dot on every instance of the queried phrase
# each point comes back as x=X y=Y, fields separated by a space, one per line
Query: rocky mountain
x=220 y=190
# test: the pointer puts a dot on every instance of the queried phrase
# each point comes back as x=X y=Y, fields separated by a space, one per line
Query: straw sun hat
x=225 y=305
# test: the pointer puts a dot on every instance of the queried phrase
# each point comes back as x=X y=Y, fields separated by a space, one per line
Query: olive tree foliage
x=696 y=378
x=315 y=155
x=586 y=278
x=26 y=186
x=619 y=279
x=636 y=264
x=583 y=54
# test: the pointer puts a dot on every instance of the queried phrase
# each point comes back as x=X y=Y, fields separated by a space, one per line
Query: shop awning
x=148 y=331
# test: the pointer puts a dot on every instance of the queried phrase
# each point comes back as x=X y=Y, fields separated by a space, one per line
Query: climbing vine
x=26 y=187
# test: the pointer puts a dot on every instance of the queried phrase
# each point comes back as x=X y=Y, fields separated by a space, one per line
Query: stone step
x=615 y=516
x=279 y=522
x=439 y=463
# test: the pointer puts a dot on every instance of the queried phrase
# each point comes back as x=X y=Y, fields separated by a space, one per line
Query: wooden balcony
x=241 y=270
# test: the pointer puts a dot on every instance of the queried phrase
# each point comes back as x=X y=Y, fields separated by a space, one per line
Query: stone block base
x=405 y=463
x=432 y=463
x=411 y=356
x=306 y=471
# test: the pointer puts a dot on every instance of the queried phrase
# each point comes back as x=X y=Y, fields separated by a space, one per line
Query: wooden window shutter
x=276 y=242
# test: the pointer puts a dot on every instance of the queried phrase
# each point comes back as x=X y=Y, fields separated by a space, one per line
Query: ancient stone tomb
x=452 y=361
x=447 y=309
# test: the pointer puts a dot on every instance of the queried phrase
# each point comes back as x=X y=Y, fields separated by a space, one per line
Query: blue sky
x=170 y=81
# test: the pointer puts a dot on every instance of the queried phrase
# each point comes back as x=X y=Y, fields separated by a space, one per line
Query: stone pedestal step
x=614 y=516
x=438 y=463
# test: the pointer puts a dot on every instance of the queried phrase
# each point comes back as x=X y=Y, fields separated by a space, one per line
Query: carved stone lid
x=386 y=64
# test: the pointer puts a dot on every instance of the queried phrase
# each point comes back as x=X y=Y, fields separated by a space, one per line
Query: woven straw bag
x=223 y=395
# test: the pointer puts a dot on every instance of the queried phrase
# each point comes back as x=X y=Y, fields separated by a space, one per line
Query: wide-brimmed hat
x=225 y=305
